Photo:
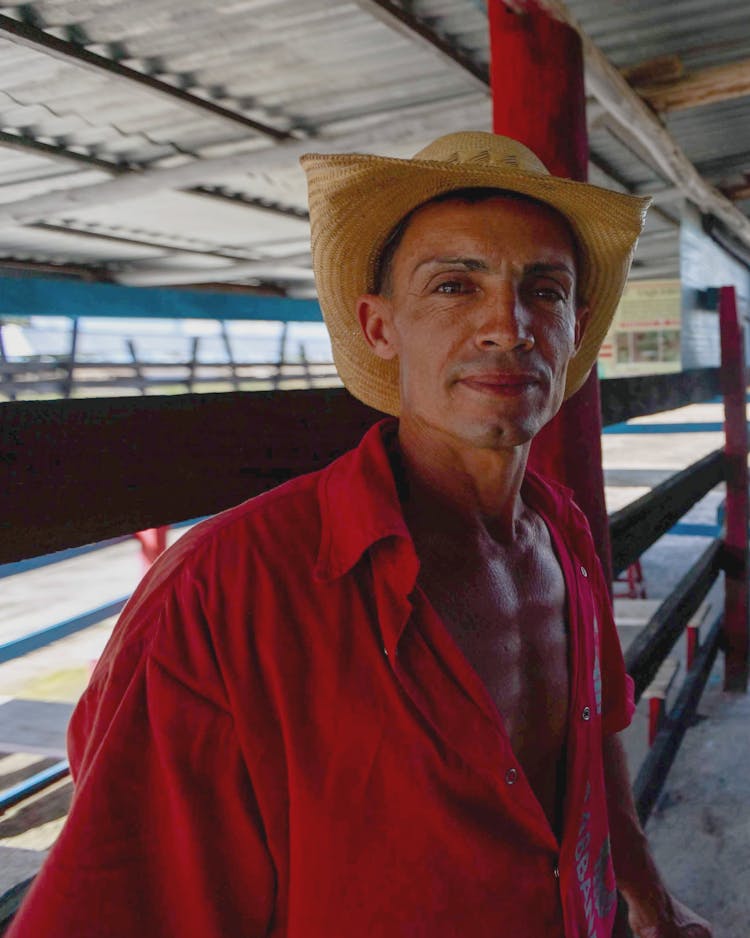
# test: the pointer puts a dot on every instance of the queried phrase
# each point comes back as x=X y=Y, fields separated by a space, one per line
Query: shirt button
x=586 y=713
x=584 y=571
x=510 y=776
x=556 y=872
x=385 y=651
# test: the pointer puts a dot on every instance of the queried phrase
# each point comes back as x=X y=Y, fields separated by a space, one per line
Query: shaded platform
x=700 y=830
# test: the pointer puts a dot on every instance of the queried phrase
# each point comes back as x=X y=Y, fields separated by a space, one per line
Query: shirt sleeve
x=164 y=837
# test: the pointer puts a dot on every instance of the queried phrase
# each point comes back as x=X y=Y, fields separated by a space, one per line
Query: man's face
x=482 y=317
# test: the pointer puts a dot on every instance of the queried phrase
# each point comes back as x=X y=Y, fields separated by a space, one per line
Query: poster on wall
x=644 y=338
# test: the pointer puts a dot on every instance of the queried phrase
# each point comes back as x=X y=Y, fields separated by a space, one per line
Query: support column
x=538 y=98
x=734 y=386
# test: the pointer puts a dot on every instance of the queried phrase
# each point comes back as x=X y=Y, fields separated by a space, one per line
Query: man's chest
x=509 y=620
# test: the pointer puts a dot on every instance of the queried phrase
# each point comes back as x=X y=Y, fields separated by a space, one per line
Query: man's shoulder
x=215 y=567
x=266 y=524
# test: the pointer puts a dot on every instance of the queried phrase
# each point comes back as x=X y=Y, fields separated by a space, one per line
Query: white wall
x=703 y=263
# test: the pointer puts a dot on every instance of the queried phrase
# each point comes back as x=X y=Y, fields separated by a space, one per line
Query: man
x=382 y=699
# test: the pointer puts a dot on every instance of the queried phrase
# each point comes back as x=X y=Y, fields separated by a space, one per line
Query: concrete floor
x=700 y=830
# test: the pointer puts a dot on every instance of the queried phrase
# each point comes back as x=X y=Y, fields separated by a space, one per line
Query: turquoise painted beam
x=48 y=296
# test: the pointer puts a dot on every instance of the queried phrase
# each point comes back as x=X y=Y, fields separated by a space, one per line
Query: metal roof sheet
x=319 y=70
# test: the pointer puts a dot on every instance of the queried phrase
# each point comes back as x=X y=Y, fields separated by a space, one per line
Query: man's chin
x=499 y=434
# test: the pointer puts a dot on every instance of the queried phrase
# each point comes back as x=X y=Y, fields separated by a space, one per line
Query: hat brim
x=357 y=199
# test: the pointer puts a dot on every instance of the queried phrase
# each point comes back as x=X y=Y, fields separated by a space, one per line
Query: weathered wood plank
x=77 y=471
x=653 y=772
x=645 y=655
x=634 y=528
x=625 y=398
x=705 y=86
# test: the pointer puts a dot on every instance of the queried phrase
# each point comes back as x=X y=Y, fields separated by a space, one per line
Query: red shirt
x=282 y=739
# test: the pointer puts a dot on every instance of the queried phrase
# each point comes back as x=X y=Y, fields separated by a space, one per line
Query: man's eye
x=452 y=287
x=551 y=294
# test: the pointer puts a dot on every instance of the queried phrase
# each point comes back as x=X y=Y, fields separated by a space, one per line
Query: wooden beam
x=174 y=276
x=651 y=646
x=625 y=398
x=77 y=471
x=652 y=773
x=738 y=193
x=637 y=526
x=82 y=470
x=638 y=121
x=664 y=68
x=707 y=86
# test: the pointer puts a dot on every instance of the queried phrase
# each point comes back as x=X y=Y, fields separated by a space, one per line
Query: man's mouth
x=501 y=383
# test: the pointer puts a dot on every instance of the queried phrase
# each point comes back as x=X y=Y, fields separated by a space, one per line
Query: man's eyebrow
x=547 y=268
x=473 y=263
x=468 y=263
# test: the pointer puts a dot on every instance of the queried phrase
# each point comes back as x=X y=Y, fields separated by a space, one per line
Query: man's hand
x=652 y=911
x=672 y=920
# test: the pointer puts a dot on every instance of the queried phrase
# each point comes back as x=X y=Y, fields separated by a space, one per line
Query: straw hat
x=356 y=200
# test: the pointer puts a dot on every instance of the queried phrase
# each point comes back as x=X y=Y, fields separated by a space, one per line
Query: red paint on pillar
x=153 y=542
x=692 y=645
x=538 y=98
x=734 y=385
x=655 y=718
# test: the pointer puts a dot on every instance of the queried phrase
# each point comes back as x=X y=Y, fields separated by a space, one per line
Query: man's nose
x=504 y=323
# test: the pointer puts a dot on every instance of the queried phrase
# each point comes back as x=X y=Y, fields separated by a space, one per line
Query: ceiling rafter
x=696 y=89
x=257 y=270
x=738 y=193
x=25 y=143
x=406 y=24
x=72 y=53
x=70 y=228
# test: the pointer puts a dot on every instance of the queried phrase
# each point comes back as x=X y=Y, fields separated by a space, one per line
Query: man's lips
x=500 y=382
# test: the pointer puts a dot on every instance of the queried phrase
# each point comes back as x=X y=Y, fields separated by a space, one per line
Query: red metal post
x=153 y=542
x=655 y=717
x=538 y=98
x=734 y=388
x=691 y=634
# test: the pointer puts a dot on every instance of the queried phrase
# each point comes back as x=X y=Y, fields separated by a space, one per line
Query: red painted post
x=691 y=634
x=655 y=718
x=538 y=98
x=153 y=542
x=734 y=388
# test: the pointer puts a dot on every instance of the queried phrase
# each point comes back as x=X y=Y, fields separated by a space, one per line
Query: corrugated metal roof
x=318 y=70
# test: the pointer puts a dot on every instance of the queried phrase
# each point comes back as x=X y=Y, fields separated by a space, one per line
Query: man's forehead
x=499 y=217
x=521 y=205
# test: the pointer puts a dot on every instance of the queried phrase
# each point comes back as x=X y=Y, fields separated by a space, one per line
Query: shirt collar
x=359 y=506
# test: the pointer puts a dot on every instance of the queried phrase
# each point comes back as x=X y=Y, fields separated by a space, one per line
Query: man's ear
x=375 y=315
x=582 y=318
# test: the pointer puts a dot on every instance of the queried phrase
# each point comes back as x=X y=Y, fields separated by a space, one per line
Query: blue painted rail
x=33 y=784
x=18 y=647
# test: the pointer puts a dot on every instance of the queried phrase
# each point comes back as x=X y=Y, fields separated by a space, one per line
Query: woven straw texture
x=356 y=200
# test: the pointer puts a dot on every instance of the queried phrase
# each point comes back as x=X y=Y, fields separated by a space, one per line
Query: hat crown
x=479 y=148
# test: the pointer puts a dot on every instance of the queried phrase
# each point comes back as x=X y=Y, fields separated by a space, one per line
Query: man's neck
x=456 y=492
